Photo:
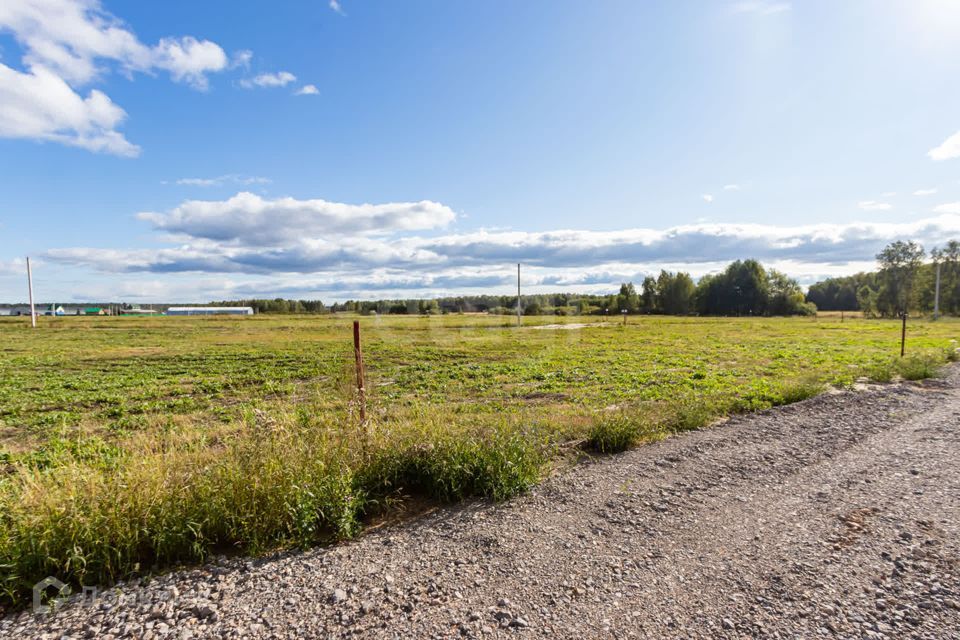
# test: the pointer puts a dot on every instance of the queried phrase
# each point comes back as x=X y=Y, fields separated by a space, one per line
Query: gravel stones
x=835 y=517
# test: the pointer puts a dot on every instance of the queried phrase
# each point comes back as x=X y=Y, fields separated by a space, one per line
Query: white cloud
x=358 y=265
x=949 y=149
x=888 y=194
x=71 y=37
x=241 y=59
x=924 y=192
x=307 y=90
x=707 y=197
x=731 y=187
x=335 y=5
x=68 y=44
x=761 y=7
x=250 y=219
x=379 y=282
x=873 y=205
x=268 y=80
x=342 y=243
x=189 y=60
x=15 y=267
x=40 y=106
x=948 y=208
x=221 y=180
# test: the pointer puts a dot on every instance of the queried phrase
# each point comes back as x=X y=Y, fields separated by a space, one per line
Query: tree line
x=744 y=288
x=275 y=305
x=906 y=281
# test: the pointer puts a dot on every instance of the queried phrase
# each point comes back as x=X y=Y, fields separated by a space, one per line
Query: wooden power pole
x=518 y=294
x=33 y=310
x=936 y=295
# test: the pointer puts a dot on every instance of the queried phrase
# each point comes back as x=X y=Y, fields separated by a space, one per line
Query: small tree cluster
x=904 y=282
x=745 y=287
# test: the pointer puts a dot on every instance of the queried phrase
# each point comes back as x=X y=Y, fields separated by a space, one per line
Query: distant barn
x=210 y=311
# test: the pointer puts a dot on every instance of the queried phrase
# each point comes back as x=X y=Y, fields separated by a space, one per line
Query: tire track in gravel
x=834 y=517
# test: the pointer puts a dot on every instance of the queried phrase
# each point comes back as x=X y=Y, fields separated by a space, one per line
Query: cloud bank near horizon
x=251 y=246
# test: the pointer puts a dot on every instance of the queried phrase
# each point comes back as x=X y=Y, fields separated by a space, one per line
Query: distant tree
x=899 y=264
x=648 y=297
x=785 y=297
x=675 y=293
x=949 y=260
x=838 y=294
x=741 y=289
x=628 y=298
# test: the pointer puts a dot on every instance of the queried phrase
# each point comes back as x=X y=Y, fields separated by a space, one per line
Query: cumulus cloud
x=390 y=282
x=307 y=90
x=873 y=205
x=947 y=150
x=268 y=80
x=924 y=192
x=68 y=44
x=707 y=197
x=41 y=106
x=189 y=60
x=71 y=38
x=399 y=265
x=247 y=234
x=247 y=218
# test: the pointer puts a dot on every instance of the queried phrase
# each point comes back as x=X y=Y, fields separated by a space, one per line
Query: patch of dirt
x=570 y=326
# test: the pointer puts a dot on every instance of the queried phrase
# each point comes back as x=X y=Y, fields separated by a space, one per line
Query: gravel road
x=834 y=517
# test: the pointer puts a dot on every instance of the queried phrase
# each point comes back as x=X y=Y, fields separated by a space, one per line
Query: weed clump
x=496 y=463
x=614 y=433
x=918 y=367
x=912 y=367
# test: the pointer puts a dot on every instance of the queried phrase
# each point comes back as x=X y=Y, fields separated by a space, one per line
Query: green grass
x=132 y=444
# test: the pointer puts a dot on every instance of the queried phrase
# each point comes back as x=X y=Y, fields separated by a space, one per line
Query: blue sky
x=192 y=151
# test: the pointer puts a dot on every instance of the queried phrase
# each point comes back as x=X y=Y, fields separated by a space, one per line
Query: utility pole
x=33 y=311
x=936 y=295
x=518 y=294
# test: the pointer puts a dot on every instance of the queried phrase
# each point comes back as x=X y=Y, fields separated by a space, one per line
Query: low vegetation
x=132 y=444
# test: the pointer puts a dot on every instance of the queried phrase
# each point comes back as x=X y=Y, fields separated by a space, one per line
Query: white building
x=210 y=311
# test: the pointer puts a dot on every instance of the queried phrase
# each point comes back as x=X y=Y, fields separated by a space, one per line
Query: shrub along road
x=836 y=516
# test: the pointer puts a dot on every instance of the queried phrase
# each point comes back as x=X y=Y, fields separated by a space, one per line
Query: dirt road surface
x=834 y=517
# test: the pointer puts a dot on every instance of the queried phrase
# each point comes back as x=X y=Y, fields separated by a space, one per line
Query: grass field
x=129 y=444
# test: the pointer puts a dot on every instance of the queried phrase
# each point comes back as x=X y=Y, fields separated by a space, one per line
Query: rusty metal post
x=358 y=357
x=903 y=335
